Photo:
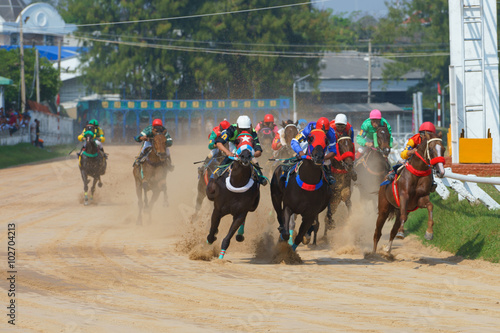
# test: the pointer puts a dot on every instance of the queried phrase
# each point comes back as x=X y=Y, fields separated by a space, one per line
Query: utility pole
x=23 y=88
x=37 y=76
x=59 y=57
x=368 y=100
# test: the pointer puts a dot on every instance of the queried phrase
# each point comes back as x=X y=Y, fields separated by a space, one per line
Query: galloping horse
x=373 y=166
x=235 y=192
x=92 y=162
x=151 y=175
x=342 y=167
x=411 y=189
x=286 y=150
x=304 y=191
x=205 y=177
x=266 y=137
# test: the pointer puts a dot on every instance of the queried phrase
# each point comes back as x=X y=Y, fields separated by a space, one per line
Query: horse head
x=317 y=145
x=383 y=140
x=159 y=145
x=291 y=132
x=345 y=152
x=244 y=148
x=434 y=151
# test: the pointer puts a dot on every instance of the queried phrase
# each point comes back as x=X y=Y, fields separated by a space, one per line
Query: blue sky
x=376 y=8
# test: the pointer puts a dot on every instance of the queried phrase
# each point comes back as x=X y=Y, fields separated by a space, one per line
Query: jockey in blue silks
x=300 y=143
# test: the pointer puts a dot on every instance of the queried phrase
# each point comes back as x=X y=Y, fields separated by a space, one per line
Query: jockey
x=302 y=123
x=299 y=143
x=411 y=148
x=214 y=151
x=98 y=136
x=342 y=127
x=269 y=123
x=369 y=130
x=279 y=139
x=243 y=123
x=147 y=134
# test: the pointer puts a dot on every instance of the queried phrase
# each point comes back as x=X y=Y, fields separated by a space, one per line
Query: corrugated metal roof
x=10 y=9
x=354 y=65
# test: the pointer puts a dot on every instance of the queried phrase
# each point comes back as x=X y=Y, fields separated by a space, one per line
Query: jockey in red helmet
x=214 y=151
x=411 y=148
x=148 y=133
x=267 y=122
x=300 y=142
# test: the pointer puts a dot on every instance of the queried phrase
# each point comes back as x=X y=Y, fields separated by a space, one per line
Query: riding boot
x=139 y=158
x=260 y=177
x=391 y=175
x=328 y=175
x=170 y=167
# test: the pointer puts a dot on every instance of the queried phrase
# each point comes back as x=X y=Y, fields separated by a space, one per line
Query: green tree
x=418 y=26
x=202 y=54
x=11 y=68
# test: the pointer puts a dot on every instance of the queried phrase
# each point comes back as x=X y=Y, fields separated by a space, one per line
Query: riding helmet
x=375 y=114
x=323 y=124
x=244 y=122
x=94 y=122
x=341 y=119
x=427 y=126
x=269 y=118
x=157 y=122
x=224 y=124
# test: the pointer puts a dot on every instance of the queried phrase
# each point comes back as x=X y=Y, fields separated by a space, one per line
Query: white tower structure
x=474 y=95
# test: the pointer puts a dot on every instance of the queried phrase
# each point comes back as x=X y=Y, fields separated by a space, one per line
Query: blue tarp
x=50 y=52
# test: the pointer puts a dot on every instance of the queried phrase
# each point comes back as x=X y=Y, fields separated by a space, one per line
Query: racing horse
x=286 y=151
x=92 y=163
x=151 y=174
x=342 y=169
x=411 y=189
x=372 y=167
x=266 y=137
x=236 y=191
x=205 y=177
x=302 y=191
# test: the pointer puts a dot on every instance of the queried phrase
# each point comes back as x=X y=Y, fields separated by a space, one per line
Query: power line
x=203 y=15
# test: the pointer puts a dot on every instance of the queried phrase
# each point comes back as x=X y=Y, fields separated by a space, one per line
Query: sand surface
x=92 y=269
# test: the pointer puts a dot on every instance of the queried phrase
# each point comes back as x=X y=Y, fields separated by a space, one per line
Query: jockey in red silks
x=279 y=139
x=214 y=151
x=342 y=127
x=269 y=123
x=300 y=143
x=411 y=149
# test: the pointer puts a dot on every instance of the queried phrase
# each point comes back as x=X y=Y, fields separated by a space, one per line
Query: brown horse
x=205 y=177
x=373 y=165
x=411 y=189
x=235 y=192
x=151 y=175
x=285 y=151
x=342 y=170
x=92 y=163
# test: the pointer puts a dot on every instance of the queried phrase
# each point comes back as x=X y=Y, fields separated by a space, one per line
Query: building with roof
x=344 y=79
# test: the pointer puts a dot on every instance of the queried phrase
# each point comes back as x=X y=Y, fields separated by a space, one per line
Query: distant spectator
x=38 y=141
x=4 y=126
x=13 y=123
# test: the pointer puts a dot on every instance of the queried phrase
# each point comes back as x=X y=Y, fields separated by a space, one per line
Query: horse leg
x=241 y=230
x=138 y=190
x=304 y=227
x=328 y=218
x=293 y=217
x=316 y=228
x=201 y=192
x=92 y=190
x=238 y=221
x=214 y=226
x=156 y=194
x=404 y=216
x=425 y=202
x=384 y=209
x=85 y=186
x=145 y=188
x=285 y=231
x=394 y=230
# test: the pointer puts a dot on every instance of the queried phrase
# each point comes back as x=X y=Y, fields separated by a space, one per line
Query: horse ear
x=283 y=123
x=440 y=134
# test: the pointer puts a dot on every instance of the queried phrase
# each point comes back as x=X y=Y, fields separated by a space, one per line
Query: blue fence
x=130 y=116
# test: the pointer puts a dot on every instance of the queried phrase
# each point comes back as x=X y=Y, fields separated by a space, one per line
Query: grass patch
x=470 y=231
x=26 y=153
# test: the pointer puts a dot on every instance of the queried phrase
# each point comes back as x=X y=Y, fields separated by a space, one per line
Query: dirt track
x=92 y=269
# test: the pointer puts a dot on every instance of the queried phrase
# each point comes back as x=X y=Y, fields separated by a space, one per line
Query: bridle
x=427 y=155
x=341 y=157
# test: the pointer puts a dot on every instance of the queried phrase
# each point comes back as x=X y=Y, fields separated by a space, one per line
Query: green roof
x=5 y=81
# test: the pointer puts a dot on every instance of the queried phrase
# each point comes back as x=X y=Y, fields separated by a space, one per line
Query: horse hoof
x=99 y=184
x=85 y=203
x=240 y=238
x=306 y=239
x=429 y=236
x=400 y=235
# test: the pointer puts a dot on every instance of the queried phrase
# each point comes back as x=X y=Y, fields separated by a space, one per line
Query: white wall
x=54 y=130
